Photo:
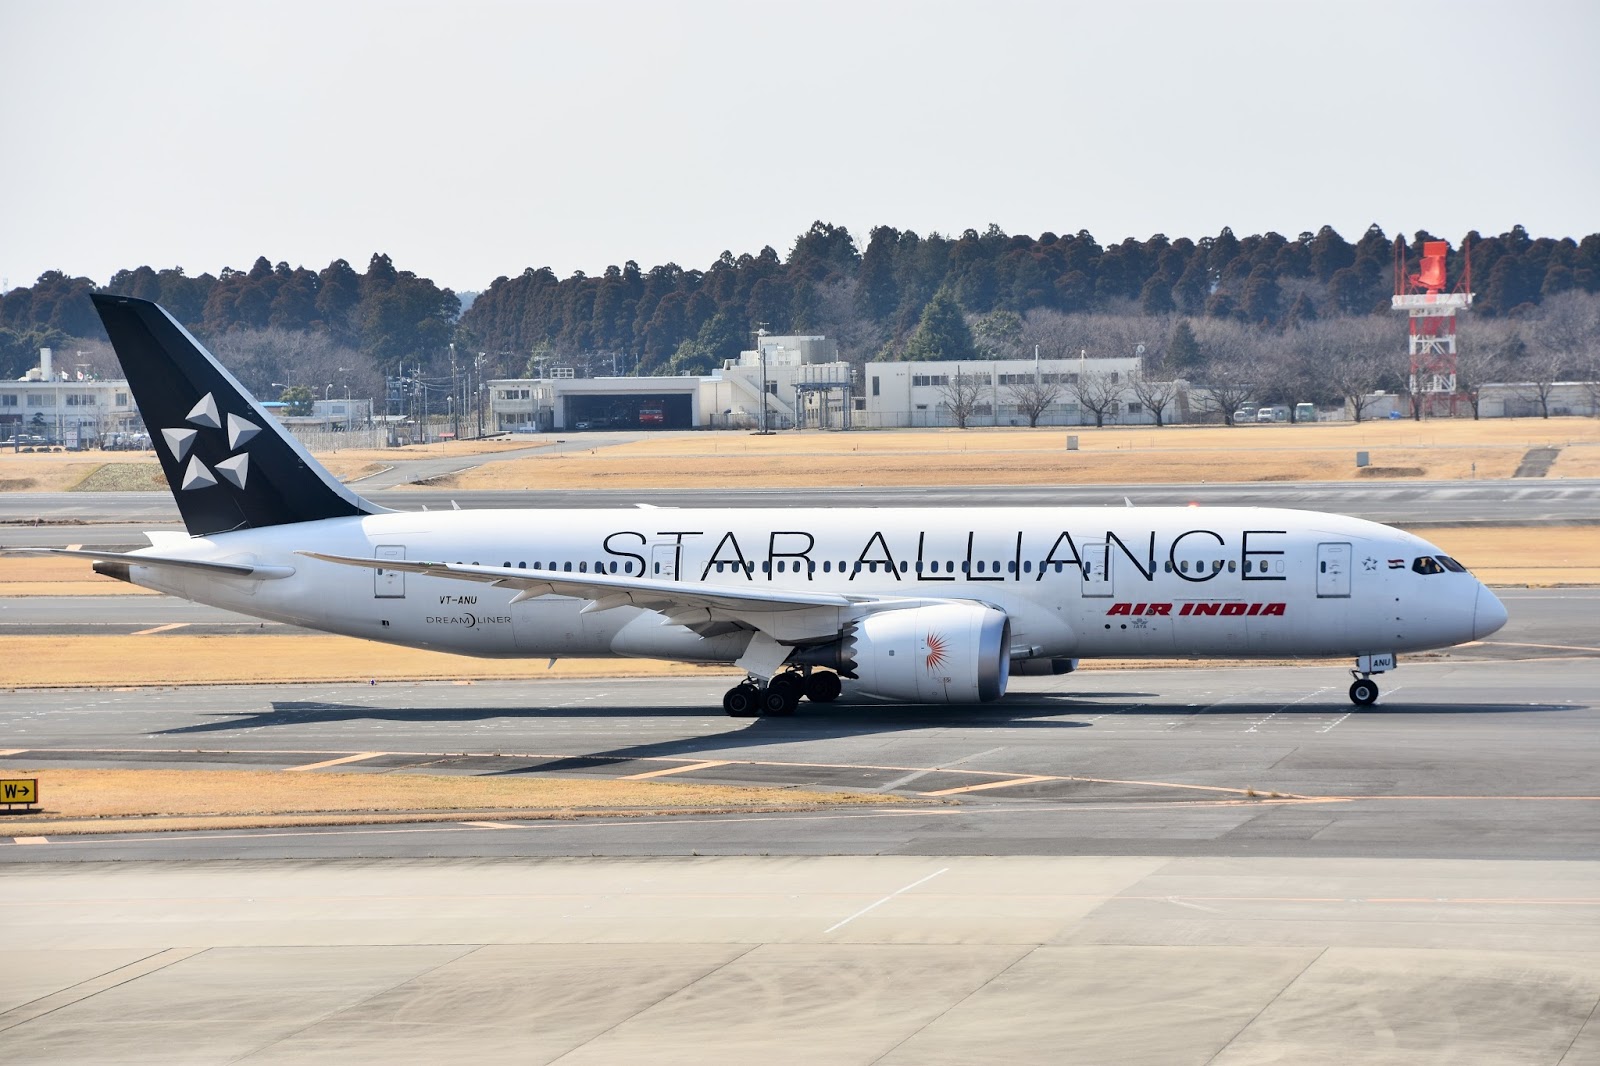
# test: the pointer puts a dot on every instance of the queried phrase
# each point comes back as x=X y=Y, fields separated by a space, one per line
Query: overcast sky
x=470 y=140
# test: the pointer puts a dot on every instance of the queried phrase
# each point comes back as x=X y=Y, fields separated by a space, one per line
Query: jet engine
x=950 y=653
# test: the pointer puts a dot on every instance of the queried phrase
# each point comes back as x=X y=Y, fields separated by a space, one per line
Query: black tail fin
x=230 y=465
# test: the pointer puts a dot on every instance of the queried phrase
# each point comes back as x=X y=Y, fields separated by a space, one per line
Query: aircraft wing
x=684 y=602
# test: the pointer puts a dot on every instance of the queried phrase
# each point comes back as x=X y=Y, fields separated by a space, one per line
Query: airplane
x=921 y=605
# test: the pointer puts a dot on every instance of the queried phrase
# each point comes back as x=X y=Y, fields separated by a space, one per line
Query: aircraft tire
x=1364 y=692
x=780 y=701
x=740 y=701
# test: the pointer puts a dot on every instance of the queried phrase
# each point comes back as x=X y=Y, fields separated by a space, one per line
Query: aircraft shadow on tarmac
x=828 y=721
x=858 y=717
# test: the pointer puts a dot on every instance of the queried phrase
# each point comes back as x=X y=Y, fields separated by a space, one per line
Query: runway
x=889 y=960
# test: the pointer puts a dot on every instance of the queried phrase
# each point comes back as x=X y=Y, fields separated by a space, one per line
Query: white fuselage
x=1074 y=582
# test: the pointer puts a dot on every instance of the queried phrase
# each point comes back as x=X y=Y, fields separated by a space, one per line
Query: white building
x=806 y=384
x=1521 y=399
x=920 y=394
x=65 y=407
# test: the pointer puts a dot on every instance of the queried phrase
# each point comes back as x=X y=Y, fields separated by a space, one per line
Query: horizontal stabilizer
x=136 y=559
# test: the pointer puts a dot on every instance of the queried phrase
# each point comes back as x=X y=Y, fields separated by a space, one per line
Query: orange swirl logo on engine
x=936 y=650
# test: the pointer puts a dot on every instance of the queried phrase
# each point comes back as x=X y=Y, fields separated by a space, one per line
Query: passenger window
x=1231 y=566
x=1184 y=566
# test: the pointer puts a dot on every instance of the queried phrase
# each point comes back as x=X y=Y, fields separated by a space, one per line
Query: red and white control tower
x=1432 y=310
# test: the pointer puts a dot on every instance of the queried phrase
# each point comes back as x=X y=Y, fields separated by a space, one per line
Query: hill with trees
x=1302 y=318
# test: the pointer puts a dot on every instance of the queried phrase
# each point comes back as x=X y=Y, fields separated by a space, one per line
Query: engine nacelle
x=951 y=653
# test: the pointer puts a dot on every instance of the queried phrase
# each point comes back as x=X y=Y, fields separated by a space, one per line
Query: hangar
x=627 y=403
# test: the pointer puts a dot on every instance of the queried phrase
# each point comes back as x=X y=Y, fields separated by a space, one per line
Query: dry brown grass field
x=77 y=802
x=1433 y=450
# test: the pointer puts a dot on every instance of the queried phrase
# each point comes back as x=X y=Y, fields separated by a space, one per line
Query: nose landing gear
x=780 y=697
x=1364 y=692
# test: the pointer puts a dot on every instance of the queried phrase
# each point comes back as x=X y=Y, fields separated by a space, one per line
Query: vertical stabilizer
x=229 y=463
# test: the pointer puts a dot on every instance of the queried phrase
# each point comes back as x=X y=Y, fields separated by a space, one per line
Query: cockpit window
x=1451 y=565
x=1426 y=564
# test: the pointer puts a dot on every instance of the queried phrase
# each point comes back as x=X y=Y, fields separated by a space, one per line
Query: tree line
x=1264 y=305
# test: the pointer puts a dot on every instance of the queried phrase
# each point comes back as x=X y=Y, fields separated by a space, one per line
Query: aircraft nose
x=1488 y=614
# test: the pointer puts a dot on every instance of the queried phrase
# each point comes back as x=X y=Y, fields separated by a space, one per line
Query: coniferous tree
x=941 y=334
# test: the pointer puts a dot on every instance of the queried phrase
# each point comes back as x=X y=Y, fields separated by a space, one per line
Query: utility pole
x=761 y=356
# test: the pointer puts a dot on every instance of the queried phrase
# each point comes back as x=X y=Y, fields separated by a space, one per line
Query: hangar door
x=669 y=410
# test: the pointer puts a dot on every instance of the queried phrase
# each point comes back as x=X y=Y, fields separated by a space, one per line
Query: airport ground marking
x=492 y=825
x=167 y=628
x=874 y=906
x=686 y=768
x=1548 y=647
x=12 y=751
x=334 y=762
x=985 y=786
x=30 y=840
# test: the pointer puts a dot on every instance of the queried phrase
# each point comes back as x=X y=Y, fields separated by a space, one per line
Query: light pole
x=761 y=355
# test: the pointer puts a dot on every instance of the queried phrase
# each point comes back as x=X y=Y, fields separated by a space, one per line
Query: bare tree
x=1563 y=337
x=962 y=394
x=1097 y=391
x=1348 y=358
x=1477 y=364
x=1541 y=371
x=1225 y=384
x=1034 y=397
x=1355 y=379
x=1156 y=393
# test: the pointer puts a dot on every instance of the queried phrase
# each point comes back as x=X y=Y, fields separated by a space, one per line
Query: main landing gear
x=779 y=697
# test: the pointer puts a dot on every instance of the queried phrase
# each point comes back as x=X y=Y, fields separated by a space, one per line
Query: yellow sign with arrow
x=19 y=790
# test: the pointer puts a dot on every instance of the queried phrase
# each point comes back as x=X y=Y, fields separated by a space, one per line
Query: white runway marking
x=873 y=906
x=333 y=762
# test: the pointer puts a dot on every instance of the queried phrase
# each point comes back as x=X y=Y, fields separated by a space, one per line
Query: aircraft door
x=1333 y=570
x=1097 y=570
x=389 y=584
x=665 y=560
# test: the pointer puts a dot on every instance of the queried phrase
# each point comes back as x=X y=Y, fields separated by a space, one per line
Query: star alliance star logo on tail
x=235 y=469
